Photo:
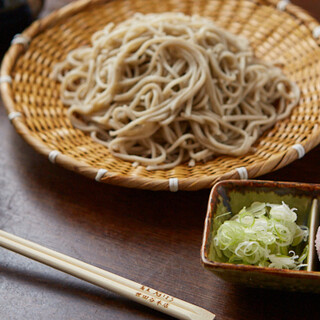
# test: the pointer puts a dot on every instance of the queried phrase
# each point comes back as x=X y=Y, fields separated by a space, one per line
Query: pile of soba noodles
x=163 y=89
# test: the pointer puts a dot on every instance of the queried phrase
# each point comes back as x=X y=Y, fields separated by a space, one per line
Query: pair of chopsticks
x=107 y=280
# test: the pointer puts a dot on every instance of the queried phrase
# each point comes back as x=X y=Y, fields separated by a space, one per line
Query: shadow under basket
x=232 y=196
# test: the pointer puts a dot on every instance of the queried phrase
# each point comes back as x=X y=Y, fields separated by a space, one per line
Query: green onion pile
x=264 y=235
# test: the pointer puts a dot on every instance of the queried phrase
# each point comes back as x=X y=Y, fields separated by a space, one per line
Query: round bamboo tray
x=277 y=30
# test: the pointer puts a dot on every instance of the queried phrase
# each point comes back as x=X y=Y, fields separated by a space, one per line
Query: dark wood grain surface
x=151 y=237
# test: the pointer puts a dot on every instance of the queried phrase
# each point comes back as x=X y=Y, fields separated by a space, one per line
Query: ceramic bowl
x=232 y=196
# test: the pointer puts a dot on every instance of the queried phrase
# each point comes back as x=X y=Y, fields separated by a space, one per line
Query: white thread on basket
x=173 y=184
x=282 y=4
x=14 y=114
x=316 y=32
x=5 y=79
x=53 y=155
x=300 y=149
x=20 y=39
x=100 y=174
x=243 y=173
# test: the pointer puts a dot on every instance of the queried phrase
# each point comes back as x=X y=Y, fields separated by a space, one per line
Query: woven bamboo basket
x=277 y=30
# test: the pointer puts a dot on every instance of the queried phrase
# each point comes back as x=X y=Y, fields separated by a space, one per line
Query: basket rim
x=275 y=162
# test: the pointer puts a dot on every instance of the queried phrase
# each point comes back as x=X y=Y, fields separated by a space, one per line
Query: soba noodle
x=162 y=89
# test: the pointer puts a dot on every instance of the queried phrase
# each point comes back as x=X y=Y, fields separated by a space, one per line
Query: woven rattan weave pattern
x=286 y=36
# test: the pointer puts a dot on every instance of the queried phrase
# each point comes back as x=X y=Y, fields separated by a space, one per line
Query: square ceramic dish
x=232 y=196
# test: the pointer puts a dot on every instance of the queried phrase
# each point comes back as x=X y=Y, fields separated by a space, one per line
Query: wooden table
x=151 y=237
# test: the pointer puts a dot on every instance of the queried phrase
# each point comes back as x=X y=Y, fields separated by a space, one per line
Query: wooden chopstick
x=107 y=280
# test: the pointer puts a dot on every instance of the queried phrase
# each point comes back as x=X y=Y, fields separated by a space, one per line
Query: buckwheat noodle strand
x=162 y=89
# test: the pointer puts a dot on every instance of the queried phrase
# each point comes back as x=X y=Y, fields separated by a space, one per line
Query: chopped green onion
x=262 y=235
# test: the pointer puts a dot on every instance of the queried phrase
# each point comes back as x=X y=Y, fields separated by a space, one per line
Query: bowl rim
x=219 y=266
